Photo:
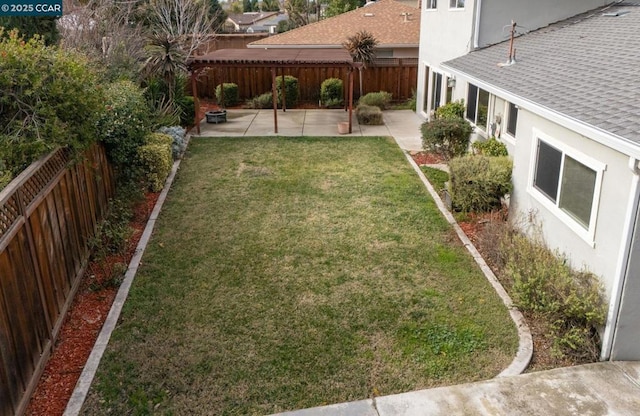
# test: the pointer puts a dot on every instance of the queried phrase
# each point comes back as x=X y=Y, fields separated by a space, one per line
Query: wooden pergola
x=274 y=59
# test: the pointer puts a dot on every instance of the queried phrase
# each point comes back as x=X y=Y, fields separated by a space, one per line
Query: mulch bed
x=83 y=323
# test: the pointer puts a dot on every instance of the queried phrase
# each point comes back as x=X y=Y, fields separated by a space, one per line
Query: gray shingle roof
x=586 y=67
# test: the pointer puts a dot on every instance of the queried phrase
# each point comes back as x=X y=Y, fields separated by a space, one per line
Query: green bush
x=478 y=182
x=380 y=99
x=231 y=97
x=48 y=98
x=187 y=107
x=453 y=109
x=291 y=90
x=155 y=160
x=447 y=137
x=369 y=115
x=490 y=147
x=261 y=101
x=332 y=92
x=572 y=301
x=124 y=124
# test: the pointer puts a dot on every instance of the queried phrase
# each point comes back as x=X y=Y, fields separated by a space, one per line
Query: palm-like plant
x=361 y=46
x=165 y=59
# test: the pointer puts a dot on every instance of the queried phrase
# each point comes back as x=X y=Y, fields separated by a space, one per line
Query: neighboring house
x=253 y=21
x=568 y=109
x=395 y=25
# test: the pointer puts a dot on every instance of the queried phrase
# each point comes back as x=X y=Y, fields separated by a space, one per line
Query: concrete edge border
x=81 y=390
x=525 y=344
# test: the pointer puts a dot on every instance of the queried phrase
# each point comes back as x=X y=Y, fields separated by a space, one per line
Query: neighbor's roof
x=392 y=24
x=585 y=68
x=250 y=18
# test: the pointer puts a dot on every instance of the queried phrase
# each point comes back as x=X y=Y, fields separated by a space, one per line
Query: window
x=450 y=84
x=456 y=4
x=425 y=100
x=436 y=86
x=477 y=106
x=512 y=119
x=432 y=4
x=569 y=183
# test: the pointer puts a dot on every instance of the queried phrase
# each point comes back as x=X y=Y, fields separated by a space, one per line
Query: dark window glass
x=578 y=188
x=437 y=90
x=512 y=119
x=547 y=174
x=483 y=109
x=425 y=101
x=472 y=99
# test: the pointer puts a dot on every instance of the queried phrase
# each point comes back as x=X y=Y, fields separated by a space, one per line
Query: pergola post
x=283 y=92
x=196 y=100
x=274 y=96
x=350 y=100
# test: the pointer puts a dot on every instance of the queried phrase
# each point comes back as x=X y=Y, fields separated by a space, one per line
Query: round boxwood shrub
x=231 y=97
x=369 y=115
x=381 y=99
x=332 y=92
x=478 y=182
x=291 y=90
x=261 y=101
x=447 y=137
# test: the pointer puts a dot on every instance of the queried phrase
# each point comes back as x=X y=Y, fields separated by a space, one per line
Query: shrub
x=179 y=144
x=231 y=96
x=451 y=110
x=155 y=160
x=5 y=178
x=48 y=98
x=123 y=124
x=447 y=137
x=369 y=115
x=187 y=107
x=291 y=90
x=478 y=182
x=491 y=147
x=380 y=99
x=261 y=101
x=332 y=92
x=572 y=301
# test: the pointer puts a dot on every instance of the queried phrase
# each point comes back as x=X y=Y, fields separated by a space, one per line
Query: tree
x=298 y=12
x=217 y=15
x=270 y=5
x=337 y=7
x=166 y=60
x=27 y=26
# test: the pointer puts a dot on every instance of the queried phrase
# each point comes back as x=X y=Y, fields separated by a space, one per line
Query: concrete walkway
x=404 y=125
x=610 y=388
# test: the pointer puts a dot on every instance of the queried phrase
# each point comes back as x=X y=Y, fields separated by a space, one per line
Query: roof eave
x=597 y=134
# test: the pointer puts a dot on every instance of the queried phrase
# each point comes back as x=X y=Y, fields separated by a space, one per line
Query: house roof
x=250 y=18
x=392 y=24
x=584 y=68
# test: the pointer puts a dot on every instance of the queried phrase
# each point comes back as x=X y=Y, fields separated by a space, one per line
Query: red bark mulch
x=426 y=158
x=83 y=323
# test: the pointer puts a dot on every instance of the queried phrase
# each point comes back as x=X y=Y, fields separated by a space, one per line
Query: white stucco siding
x=600 y=255
x=444 y=34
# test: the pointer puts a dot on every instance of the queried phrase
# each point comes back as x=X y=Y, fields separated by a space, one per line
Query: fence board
x=397 y=76
x=47 y=216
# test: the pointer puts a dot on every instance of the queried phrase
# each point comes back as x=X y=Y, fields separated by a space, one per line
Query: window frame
x=588 y=233
x=455 y=4
x=436 y=87
x=431 y=4
x=476 y=107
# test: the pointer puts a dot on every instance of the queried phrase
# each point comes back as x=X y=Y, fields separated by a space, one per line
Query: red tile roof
x=392 y=24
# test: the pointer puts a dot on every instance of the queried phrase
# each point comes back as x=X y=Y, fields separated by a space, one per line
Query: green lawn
x=287 y=273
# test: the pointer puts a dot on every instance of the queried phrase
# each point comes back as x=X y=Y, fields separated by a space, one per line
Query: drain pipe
x=623 y=259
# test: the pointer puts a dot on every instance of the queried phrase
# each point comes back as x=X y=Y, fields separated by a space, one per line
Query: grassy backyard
x=287 y=273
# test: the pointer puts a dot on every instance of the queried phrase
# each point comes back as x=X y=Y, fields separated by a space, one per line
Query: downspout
x=476 y=29
x=623 y=260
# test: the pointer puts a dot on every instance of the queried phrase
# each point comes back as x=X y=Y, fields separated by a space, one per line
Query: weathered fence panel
x=399 y=76
x=47 y=216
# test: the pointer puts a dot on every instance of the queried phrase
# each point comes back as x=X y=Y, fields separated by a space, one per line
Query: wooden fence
x=399 y=76
x=47 y=216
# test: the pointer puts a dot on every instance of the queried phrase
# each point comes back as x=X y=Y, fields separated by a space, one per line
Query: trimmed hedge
x=291 y=90
x=490 y=147
x=380 y=99
x=369 y=115
x=231 y=95
x=261 y=101
x=478 y=182
x=447 y=137
x=155 y=160
x=332 y=92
